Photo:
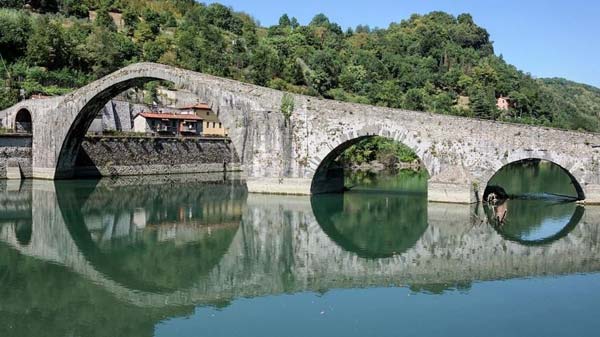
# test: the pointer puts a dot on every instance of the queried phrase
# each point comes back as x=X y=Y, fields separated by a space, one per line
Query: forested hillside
x=435 y=62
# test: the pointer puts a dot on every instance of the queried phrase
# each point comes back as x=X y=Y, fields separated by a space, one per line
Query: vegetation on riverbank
x=435 y=62
x=387 y=153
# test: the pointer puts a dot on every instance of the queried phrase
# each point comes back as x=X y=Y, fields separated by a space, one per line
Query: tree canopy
x=435 y=62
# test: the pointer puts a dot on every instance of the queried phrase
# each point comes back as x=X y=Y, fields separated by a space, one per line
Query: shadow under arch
x=150 y=266
x=576 y=185
x=574 y=220
x=372 y=225
x=329 y=175
x=23 y=122
x=24 y=231
x=84 y=119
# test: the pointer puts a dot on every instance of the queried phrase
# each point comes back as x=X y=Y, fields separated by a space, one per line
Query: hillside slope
x=435 y=62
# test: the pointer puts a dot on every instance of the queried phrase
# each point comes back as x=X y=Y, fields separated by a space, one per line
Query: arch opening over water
x=179 y=132
x=531 y=202
x=382 y=211
x=23 y=123
x=368 y=155
x=77 y=131
x=535 y=178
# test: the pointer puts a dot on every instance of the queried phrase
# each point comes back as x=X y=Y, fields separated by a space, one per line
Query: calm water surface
x=176 y=256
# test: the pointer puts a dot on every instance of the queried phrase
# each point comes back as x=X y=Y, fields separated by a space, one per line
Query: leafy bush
x=384 y=150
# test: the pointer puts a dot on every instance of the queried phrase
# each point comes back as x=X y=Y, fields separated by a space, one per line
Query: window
x=220 y=125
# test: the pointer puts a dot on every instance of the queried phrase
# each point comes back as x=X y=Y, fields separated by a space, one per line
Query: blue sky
x=551 y=38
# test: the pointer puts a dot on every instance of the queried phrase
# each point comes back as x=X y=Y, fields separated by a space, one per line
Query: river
x=199 y=256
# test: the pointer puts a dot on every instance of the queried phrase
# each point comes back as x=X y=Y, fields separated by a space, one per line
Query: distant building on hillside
x=212 y=126
x=168 y=124
x=503 y=103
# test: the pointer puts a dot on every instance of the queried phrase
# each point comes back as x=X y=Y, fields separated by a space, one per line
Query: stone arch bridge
x=294 y=154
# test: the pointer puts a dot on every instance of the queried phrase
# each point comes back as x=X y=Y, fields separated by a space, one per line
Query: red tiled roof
x=153 y=115
x=203 y=106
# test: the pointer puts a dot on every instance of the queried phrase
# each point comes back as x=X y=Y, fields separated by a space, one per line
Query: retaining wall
x=15 y=155
x=122 y=156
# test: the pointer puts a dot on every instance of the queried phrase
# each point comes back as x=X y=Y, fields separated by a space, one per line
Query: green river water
x=199 y=256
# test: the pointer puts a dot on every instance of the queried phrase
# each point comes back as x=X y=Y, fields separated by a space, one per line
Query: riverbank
x=125 y=156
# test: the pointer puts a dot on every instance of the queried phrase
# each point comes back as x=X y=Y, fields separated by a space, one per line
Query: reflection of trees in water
x=158 y=237
x=407 y=181
x=533 y=176
x=372 y=225
x=527 y=217
x=44 y=299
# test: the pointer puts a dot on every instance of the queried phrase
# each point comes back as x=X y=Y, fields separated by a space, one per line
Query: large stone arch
x=84 y=118
x=64 y=129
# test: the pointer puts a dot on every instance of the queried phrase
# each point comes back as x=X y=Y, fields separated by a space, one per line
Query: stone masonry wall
x=15 y=150
x=116 y=156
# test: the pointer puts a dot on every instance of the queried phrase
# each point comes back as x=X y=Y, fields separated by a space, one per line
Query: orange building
x=167 y=124
x=211 y=126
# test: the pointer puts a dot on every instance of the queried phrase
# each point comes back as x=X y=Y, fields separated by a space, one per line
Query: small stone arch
x=576 y=184
x=23 y=122
x=327 y=178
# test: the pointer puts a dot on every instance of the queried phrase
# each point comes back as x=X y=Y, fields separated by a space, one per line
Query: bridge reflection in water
x=133 y=252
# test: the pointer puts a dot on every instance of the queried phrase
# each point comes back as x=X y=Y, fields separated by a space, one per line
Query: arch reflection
x=372 y=224
x=152 y=237
x=534 y=221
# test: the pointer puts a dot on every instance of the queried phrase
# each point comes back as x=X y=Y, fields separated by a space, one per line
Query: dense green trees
x=383 y=150
x=434 y=62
